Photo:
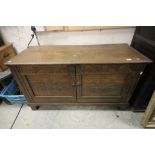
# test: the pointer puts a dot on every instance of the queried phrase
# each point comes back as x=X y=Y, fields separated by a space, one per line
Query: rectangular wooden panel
x=79 y=54
x=106 y=68
x=102 y=85
x=88 y=28
x=51 y=85
x=105 y=83
x=46 y=69
x=82 y=28
x=54 y=28
x=55 y=85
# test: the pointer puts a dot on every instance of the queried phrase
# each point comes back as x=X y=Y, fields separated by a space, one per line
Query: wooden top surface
x=79 y=54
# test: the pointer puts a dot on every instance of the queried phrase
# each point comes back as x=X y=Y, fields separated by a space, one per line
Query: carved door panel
x=105 y=83
x=78 y=84
x=50 y=84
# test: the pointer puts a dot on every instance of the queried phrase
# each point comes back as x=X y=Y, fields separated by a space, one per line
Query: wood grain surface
x=79 y=54
x=78 y=74
x=6 y=53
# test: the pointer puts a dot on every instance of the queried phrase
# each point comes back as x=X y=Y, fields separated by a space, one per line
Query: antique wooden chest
x=78 y=74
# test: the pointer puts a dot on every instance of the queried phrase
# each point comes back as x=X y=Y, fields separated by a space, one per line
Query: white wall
x=20 y=36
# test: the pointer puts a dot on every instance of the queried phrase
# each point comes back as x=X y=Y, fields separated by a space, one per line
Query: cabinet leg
x=34 y=107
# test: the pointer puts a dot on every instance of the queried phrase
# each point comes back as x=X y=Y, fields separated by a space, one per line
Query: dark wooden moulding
x=78 y=74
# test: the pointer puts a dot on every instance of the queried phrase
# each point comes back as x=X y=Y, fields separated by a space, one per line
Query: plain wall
x=20 y=36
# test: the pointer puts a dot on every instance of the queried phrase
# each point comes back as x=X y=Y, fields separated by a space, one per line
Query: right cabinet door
x=106 y=83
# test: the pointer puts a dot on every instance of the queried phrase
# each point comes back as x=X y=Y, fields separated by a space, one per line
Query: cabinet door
x=105 y=83
x=50 y=84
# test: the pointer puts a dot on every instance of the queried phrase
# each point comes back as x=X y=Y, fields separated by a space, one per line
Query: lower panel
x=49 y=83
x=91 y=85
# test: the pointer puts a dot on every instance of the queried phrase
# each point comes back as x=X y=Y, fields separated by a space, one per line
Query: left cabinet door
x=49 y=83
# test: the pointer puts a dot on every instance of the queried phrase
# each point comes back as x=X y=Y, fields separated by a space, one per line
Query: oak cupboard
x=78 y=74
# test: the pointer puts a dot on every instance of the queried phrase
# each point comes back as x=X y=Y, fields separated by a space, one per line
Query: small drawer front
x=6 y=54
x=47 y=69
